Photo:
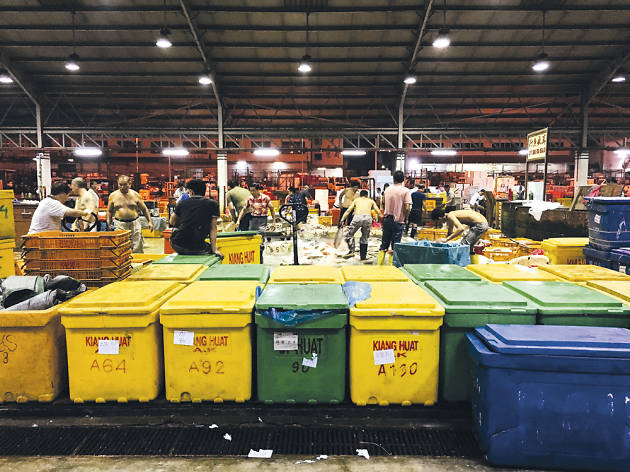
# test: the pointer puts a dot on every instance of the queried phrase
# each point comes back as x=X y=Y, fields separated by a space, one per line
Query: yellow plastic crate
x=32 y=356
x=305 y=275
x=182 y=273
x=128 y=365
x=207 y=342
x=503 y=242
x=325 y=220
x=152 y=234
x=240 y=249
x=500 y=254
x=7 y=223
x=403 y=318
x=7 y=261
x=584 y=273
x=373 y=273
x=565 y=250
x=499 y=273
x=426 y=233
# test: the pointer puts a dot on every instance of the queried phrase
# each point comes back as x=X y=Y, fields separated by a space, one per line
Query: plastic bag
x=295 y=317
x=356 y=292
x=429 y=252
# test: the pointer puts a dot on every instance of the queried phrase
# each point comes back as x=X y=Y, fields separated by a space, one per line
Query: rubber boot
x=390 y=253
x=414 y=233
x=380 y=259
x=363 y=251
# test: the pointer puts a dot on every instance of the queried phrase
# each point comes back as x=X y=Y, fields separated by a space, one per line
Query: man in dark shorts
x=415 y=215
x=194 y=220
x=457 y=222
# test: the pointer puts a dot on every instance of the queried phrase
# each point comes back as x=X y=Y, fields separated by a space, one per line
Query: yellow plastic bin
x=306 y=275
x=114 y=341
x=617 y=288
x=565 y=250
x=584 y=273
x=7 y=223
x=242 y=247
x=32 y=356
x=183 y=273
x=7 y=261
x=207 y=342
x=394 y=346
x=373 y=274
x=499 y=273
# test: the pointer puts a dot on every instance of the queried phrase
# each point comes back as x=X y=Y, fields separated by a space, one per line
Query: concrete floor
x=219 y=464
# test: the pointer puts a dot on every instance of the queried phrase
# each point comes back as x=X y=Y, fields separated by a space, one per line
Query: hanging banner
x=537 y=145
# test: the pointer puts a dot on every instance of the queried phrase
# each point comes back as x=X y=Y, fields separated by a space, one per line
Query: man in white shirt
x=51 y=210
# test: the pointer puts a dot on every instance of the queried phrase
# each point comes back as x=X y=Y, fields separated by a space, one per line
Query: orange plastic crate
x=71 y=264
x=63 y=240
x=120 y=252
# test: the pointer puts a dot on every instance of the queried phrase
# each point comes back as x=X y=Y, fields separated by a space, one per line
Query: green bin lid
x=257 y=272
x=231 y=234
x=423 y=272
x=303 y=297
x=206 y=259
x=566 y=298
x=478 y=296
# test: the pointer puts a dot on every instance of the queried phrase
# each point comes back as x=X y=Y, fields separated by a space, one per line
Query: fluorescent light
x=619 y=78
x=5 y=79
x=205 y=79
x=623 y=152
x=410 y=80
x=305 y=65
x=266 y=152
x=70 y=160
x=541 y=63
x=353 y=152
x=443 y=152
x=72 y=63
x=523 y=152
x=442 y=41
x=163 y=41
x=175 y=152
x=87 y=151
x=279 y=165
x=241 y=165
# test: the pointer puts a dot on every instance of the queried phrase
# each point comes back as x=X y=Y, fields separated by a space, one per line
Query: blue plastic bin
x=609 y=222
x=552 y=396
x=622 y=256
x=429 y=252
x=600 y=258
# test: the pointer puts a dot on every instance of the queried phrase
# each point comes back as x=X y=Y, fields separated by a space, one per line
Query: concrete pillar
x=221 y=160
x=581 y=157
x=44 y=174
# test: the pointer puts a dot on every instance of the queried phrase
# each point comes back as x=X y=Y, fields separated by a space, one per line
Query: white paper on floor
x=227 y=437
x=260 y=454
x=363 y=453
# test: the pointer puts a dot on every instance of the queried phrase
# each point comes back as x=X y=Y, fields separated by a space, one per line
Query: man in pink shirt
x=397 y=206
x=260 y=206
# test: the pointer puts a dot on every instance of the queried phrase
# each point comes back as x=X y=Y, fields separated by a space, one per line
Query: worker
x=84 y=201
x=417 y=204
x=51 y=210
x=450 y=198
x=180 y=190
x=346 y=197
x=124 y=208
x=476 y=222
x=195 y=220
x=490 y=204
x=519 y=191
x=236 y=200
x=385 y=187
x=306 y=193
x=362 y=209
x=259 y=206
x=93 y=191
x=298 y=198
x=397 y=208
x=477 y=201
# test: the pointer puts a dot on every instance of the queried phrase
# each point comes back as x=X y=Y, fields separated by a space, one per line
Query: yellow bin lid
x=584 y=273
x=509 y=272
x=398 y=299
x=375 y=273
x=617 y=288
x=305 y=275
x=4 y=194
x=183 y=273
x=566 y=242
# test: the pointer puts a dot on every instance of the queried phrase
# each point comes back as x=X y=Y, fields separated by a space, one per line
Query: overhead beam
x=19 y=78
x=604 y=77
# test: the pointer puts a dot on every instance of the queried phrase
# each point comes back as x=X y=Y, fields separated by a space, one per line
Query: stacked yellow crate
x=7 y=234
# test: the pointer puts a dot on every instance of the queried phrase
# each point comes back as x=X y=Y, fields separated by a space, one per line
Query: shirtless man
x=362 y=207
x=125 y=206
x=84 y=202
x=476 y=222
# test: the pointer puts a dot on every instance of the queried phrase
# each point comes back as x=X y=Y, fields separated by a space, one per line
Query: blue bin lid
x=610 y=200
x=550 y=340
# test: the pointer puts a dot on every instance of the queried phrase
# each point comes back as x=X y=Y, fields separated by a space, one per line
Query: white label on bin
x=184 y=338
x=597 y=218
x=285 y=341
x=108 y=346
x=306 y=362
x=384 y=357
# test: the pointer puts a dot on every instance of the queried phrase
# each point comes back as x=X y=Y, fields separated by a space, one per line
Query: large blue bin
x=600 y=258
x=609 y=222
x=429 y=252
x=552 y=396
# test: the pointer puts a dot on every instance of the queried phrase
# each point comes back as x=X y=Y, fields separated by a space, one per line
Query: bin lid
x=175 y=272
x=422 y=272
x=122 y=298
x=565 y=298
x=6 y=194
x=302 y=297
x=207 y=259
x=506 y=272
x=584 y=273
x=232 y=234
x=582 y=341
x=373 y=273
x=566 y=242
x=213 y=297
x=470 y=296
x=617 y=288
x=610 y=200
x=398 y=298
x=306 y=274
x=256 y=272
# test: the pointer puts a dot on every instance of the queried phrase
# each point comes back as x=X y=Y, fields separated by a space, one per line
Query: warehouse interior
x=435 y=191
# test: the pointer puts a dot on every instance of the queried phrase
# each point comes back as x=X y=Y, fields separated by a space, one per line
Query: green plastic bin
x=568 y=304
x=282 y=376
x=206 y=259
x=470 y=304
x=420 y=273
x=256 y=272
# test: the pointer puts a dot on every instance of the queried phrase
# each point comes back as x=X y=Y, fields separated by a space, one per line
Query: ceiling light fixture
x=87 y=151
x=410 y=80
x=266 y=152
x=205 y=79
x=163 y=41
x=305 y=63
x=623 y=152
x=353 y=152
x=442 y=40
x=241 y=165
x=619 y=78
x=523 y=152
x=5 y=79
x=72 y=63
x=443 y=152
x=541 y=63
x=175 y=152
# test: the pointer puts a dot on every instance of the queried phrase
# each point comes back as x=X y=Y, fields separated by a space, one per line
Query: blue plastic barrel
x=609 y=222
x=600 y=258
